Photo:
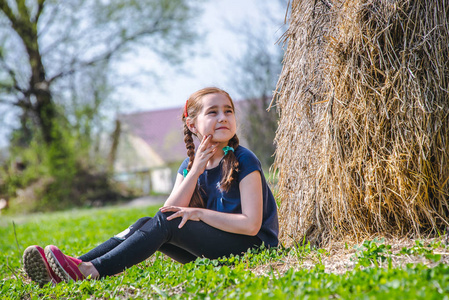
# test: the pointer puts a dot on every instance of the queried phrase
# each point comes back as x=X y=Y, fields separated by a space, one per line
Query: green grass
x=76 y=232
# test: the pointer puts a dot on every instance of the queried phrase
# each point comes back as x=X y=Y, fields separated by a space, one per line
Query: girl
x=220 y=205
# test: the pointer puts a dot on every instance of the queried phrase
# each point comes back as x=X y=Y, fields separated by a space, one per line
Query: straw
x=362 y=142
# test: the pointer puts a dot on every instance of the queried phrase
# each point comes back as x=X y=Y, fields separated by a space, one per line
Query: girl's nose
x=221 y=117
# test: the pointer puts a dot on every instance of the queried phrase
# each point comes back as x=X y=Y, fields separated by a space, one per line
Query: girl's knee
x=139 y=223
x=161 y=219
x=131 y=229
x=163 y=215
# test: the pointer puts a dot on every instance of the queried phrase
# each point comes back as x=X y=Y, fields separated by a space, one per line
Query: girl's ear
x=191 y=125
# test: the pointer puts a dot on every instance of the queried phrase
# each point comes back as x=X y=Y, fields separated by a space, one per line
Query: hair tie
x=185 y=109
x=185 y=172
x=227 y=149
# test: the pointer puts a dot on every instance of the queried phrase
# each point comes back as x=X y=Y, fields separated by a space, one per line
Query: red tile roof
x=160 y=129
x=163 y=130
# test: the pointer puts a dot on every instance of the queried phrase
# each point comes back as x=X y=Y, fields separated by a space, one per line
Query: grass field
x=261 y=274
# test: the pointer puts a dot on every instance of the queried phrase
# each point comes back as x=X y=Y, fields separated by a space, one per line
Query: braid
x=230 y=165
x=197 y=200
x=190 y=146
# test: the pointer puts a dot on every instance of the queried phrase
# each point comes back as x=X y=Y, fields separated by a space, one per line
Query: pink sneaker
x=36 y=266
x=66 y=267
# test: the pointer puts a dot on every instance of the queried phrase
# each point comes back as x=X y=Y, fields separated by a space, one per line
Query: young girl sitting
x=220 y=205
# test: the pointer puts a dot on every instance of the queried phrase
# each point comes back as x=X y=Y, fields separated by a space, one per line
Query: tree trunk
x=44 y=109
x=115 y=140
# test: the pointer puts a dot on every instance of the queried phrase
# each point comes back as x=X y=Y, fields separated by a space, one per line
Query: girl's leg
x=113 y=241
x=196 y=238
x=177 y=253
x=203 y=240
x=172 y=251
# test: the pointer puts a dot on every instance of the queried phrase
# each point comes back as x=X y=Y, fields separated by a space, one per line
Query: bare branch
x=11 y=73
x=108 y=54
x=9 y=102
x=7 y=10
x=24 y=103
x=47 y=26
x=23 y=10
x=40 y=8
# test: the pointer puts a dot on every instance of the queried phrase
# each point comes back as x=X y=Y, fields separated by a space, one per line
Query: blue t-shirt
x=229 y=202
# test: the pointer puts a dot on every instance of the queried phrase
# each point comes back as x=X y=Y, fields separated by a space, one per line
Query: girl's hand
x=186 y=213
x=203 y=154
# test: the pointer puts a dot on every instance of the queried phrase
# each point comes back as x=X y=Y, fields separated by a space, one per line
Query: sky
x=211 y=66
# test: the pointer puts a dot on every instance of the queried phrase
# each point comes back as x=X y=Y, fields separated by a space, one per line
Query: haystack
x=362 y=143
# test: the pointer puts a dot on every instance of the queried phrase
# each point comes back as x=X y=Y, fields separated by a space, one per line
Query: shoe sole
x=56 y=266
x=35 y=266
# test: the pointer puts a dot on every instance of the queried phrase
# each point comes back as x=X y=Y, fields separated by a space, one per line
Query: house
x=149 y=146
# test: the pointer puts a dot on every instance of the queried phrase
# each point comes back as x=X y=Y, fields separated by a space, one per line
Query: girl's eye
x=211 y=112
x=229 y=111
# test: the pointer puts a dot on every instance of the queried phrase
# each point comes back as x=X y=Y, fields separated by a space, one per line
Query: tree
x=259 y=72
x=255 y=76
x=57 y=69
x=44 y=42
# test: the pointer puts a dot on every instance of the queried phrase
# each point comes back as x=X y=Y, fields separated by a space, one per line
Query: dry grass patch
x=341 y=257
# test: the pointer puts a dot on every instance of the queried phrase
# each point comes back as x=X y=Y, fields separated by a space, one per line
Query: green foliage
x=65 y=174
x=18 y=174
x=251 y=259
x=302 y=250
x=421 y=250
x=373 y=252
x=235 y=277
x=63 y=86
x=53 y=181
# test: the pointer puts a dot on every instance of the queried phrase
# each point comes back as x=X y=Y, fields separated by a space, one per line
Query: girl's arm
x=182 y=191
x=184 y=187
x=248 y=222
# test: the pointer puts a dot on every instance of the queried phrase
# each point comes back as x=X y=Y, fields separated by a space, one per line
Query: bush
x=39 y=179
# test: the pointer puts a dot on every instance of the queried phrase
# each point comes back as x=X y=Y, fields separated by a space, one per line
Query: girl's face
x=216 y=118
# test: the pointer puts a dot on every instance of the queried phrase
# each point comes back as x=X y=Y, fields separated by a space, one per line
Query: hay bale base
x=362 y=143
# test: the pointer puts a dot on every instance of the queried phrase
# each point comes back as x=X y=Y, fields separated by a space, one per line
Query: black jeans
x=148 y=235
